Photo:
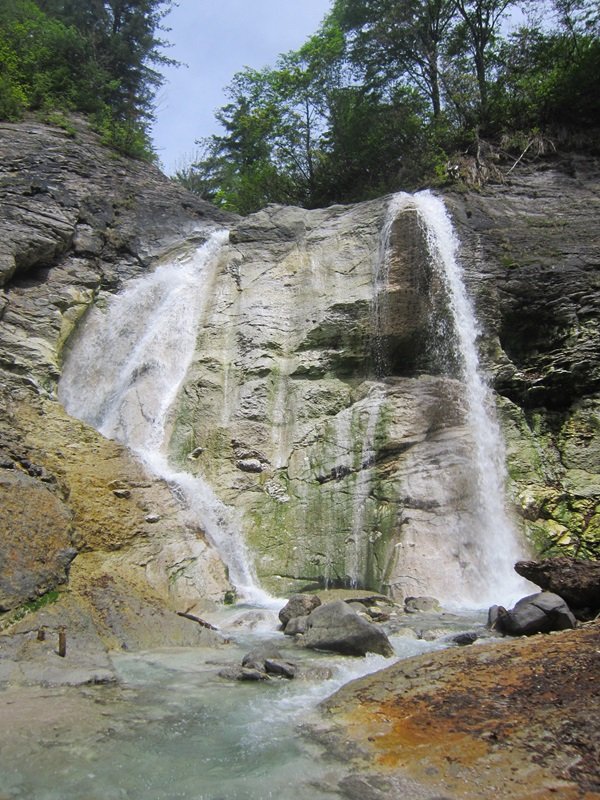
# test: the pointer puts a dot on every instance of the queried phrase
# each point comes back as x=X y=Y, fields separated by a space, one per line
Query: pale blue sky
x=217 y=38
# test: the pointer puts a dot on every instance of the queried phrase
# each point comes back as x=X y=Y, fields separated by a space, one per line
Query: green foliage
x=127 y=136
x=391 y=43
x=546 y=81
x=93 y=57
x=385 y=91
x=60 y=120
x=17 y=614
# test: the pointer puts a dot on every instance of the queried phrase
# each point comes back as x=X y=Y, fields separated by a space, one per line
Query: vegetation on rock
x=95 y=57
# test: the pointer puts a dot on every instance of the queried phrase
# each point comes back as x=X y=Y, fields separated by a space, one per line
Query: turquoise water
x=173 y=729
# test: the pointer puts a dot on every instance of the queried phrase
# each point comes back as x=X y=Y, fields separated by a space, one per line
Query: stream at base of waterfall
x=171 y=728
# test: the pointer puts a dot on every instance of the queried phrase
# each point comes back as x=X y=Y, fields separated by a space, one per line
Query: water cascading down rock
x=320 y=383
x=123 y=375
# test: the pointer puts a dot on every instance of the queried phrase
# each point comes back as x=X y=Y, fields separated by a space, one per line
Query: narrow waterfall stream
x=490 y=551
x=123 y=377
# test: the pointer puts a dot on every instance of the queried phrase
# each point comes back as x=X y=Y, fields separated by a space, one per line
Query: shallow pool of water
x=173 y=728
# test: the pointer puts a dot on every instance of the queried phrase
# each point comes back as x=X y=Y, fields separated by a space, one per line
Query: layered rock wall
x=343 y=476
x=532 y=249
x=316 y=403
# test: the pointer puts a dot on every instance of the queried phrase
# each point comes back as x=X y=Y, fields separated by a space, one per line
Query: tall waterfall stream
x=490 y=550
x=176 y=730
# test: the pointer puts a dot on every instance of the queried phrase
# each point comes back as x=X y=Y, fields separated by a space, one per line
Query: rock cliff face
x=340 y=476
x=531 y=249
x=76 y=222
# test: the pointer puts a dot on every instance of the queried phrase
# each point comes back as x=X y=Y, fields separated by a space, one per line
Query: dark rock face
x=464 y=639
x=576 y=581
x=531 y=249
x=335 y=626
x=64 y=195
x=541 y=246
x=295 y=626
x=538 y=613
x=236 y=673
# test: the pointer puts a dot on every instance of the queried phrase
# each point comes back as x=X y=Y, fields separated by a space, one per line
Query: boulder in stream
x=335 y=626
x=237 y=673
x=299 y=605
x=258 y=656
x=261 y=663
x=575 y=580
x=414 y=605
x=285 y=669
x=536 y=613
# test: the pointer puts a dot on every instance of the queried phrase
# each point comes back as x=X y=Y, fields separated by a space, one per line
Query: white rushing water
x=124 y=372
x=497 y=545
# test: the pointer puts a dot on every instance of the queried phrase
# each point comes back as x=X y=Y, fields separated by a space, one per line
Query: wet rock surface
x=537 y=613
x=517 y=719
x=532 y=257
x=64 y=195
x=77 y=221
x=266 y=661
x=337 y=627
x=299 y=605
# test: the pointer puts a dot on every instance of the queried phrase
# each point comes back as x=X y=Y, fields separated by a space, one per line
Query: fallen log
x=200 y=621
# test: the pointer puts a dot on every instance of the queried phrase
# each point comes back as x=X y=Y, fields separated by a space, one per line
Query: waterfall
x=123 y=374
x=493 y=548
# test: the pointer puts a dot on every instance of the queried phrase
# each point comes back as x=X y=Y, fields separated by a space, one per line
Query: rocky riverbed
x=503 y=717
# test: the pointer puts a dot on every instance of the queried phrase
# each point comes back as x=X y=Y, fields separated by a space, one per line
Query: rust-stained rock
x=518 y=720
x=35 y=539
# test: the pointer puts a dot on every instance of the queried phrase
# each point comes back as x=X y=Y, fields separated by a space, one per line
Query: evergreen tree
x=95 y=56
x=391 y=42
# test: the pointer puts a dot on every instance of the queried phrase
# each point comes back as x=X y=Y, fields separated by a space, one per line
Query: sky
x=216 y=39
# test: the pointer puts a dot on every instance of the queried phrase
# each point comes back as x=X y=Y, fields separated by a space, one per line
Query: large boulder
x=299 y=605
x=36 y=545
x=335 y=626
x=537 y=613
x=414 y=605
x=575 y=580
